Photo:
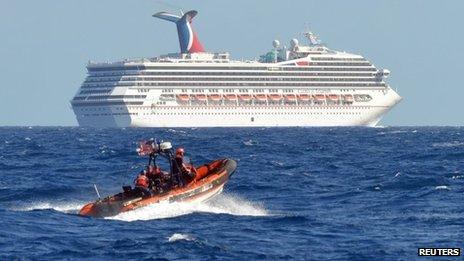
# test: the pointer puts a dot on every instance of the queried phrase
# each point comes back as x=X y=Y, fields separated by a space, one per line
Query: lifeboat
x=275 y=97
x=319 y=97
x=208 y=182
x=215 y=97
x=290 y=97
x=201 y=97
x=260 y=97
x=333 y=97
x=231 y=97
x=348 y=98
x=245 y=97
x=304 y=97
x=183 y=97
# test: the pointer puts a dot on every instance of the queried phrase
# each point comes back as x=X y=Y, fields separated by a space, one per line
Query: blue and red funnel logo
x=188 y=39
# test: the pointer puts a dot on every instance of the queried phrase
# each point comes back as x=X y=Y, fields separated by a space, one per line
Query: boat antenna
x=96 y=190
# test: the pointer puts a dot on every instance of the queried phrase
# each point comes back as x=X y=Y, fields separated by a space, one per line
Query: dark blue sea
x=298 y=193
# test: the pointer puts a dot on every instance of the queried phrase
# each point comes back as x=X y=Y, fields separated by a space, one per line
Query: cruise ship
x=295 y=85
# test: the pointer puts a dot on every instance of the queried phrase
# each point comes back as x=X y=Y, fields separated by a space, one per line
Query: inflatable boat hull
x=209 y=182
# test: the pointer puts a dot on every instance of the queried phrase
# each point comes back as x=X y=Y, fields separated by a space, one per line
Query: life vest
x=153 y=172
x=141 y=181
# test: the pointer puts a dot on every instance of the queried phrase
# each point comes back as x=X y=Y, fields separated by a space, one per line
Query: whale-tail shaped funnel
x=188 y=39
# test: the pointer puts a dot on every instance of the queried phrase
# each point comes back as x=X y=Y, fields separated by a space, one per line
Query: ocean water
x=298 y=193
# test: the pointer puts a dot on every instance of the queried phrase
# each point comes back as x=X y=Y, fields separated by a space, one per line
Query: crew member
x=142 y=183
x=153 y=172
x=180 y=170
x=154 y=176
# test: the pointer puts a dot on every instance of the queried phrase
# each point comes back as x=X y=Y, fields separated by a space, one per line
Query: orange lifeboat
x=215 y=97
x=183 y=97
x=260 y=97
x=290 y=97
x=201 y=97
x=304 y=97
x=201 y=184
x=319 y=97
x=245 y=97
x=231 y=97
x=334 y=97
x=275 y=97
x=348 y=98
x=209 y=181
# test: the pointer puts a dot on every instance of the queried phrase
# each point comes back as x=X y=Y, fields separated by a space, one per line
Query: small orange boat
x=231 y=97
x=215 y=97
x=275 y=97
x=304 y=97
x=261 y=97
x=208 y=182
x=290 y=97
x=348 y=98
x=183 y=97
x=245 y=97
x=333 y=97
x=201 y=97
x=319 y=97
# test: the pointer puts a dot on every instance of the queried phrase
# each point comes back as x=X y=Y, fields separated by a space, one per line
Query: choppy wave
x=65 y=207
x=396 y=132
x=442 y=187
x=250 y=142
x=298 y=193
x=448 y=144
x=179 y=237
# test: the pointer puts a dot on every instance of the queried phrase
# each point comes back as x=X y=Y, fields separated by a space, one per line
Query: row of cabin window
x=195 y=71
x=273 y=90
x=253 y=79
x=335 y=84
x=227 y=90
x=336 y=59
x=232 y=68
x=255 y=113
x=95 y=78
x=198 y=108
x=226 y=113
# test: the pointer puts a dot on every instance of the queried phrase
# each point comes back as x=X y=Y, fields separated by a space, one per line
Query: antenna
x=96 y=190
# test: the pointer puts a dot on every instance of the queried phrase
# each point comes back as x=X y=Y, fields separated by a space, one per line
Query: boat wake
x=221 y=204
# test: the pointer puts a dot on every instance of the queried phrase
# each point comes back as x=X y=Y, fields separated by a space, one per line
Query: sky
x=45 y=46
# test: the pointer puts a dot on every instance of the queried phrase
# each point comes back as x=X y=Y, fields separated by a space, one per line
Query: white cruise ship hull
x=244 y=116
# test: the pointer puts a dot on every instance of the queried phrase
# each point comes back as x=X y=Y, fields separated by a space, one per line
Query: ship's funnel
x=188 y=39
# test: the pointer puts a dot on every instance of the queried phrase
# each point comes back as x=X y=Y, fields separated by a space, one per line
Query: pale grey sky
x=45 y=45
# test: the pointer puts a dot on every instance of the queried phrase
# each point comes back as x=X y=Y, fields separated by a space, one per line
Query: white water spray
x=221 y=204
x=178 y=236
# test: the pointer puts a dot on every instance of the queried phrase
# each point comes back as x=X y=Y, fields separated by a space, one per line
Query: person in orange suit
x=180 y=170
x=142 y=184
